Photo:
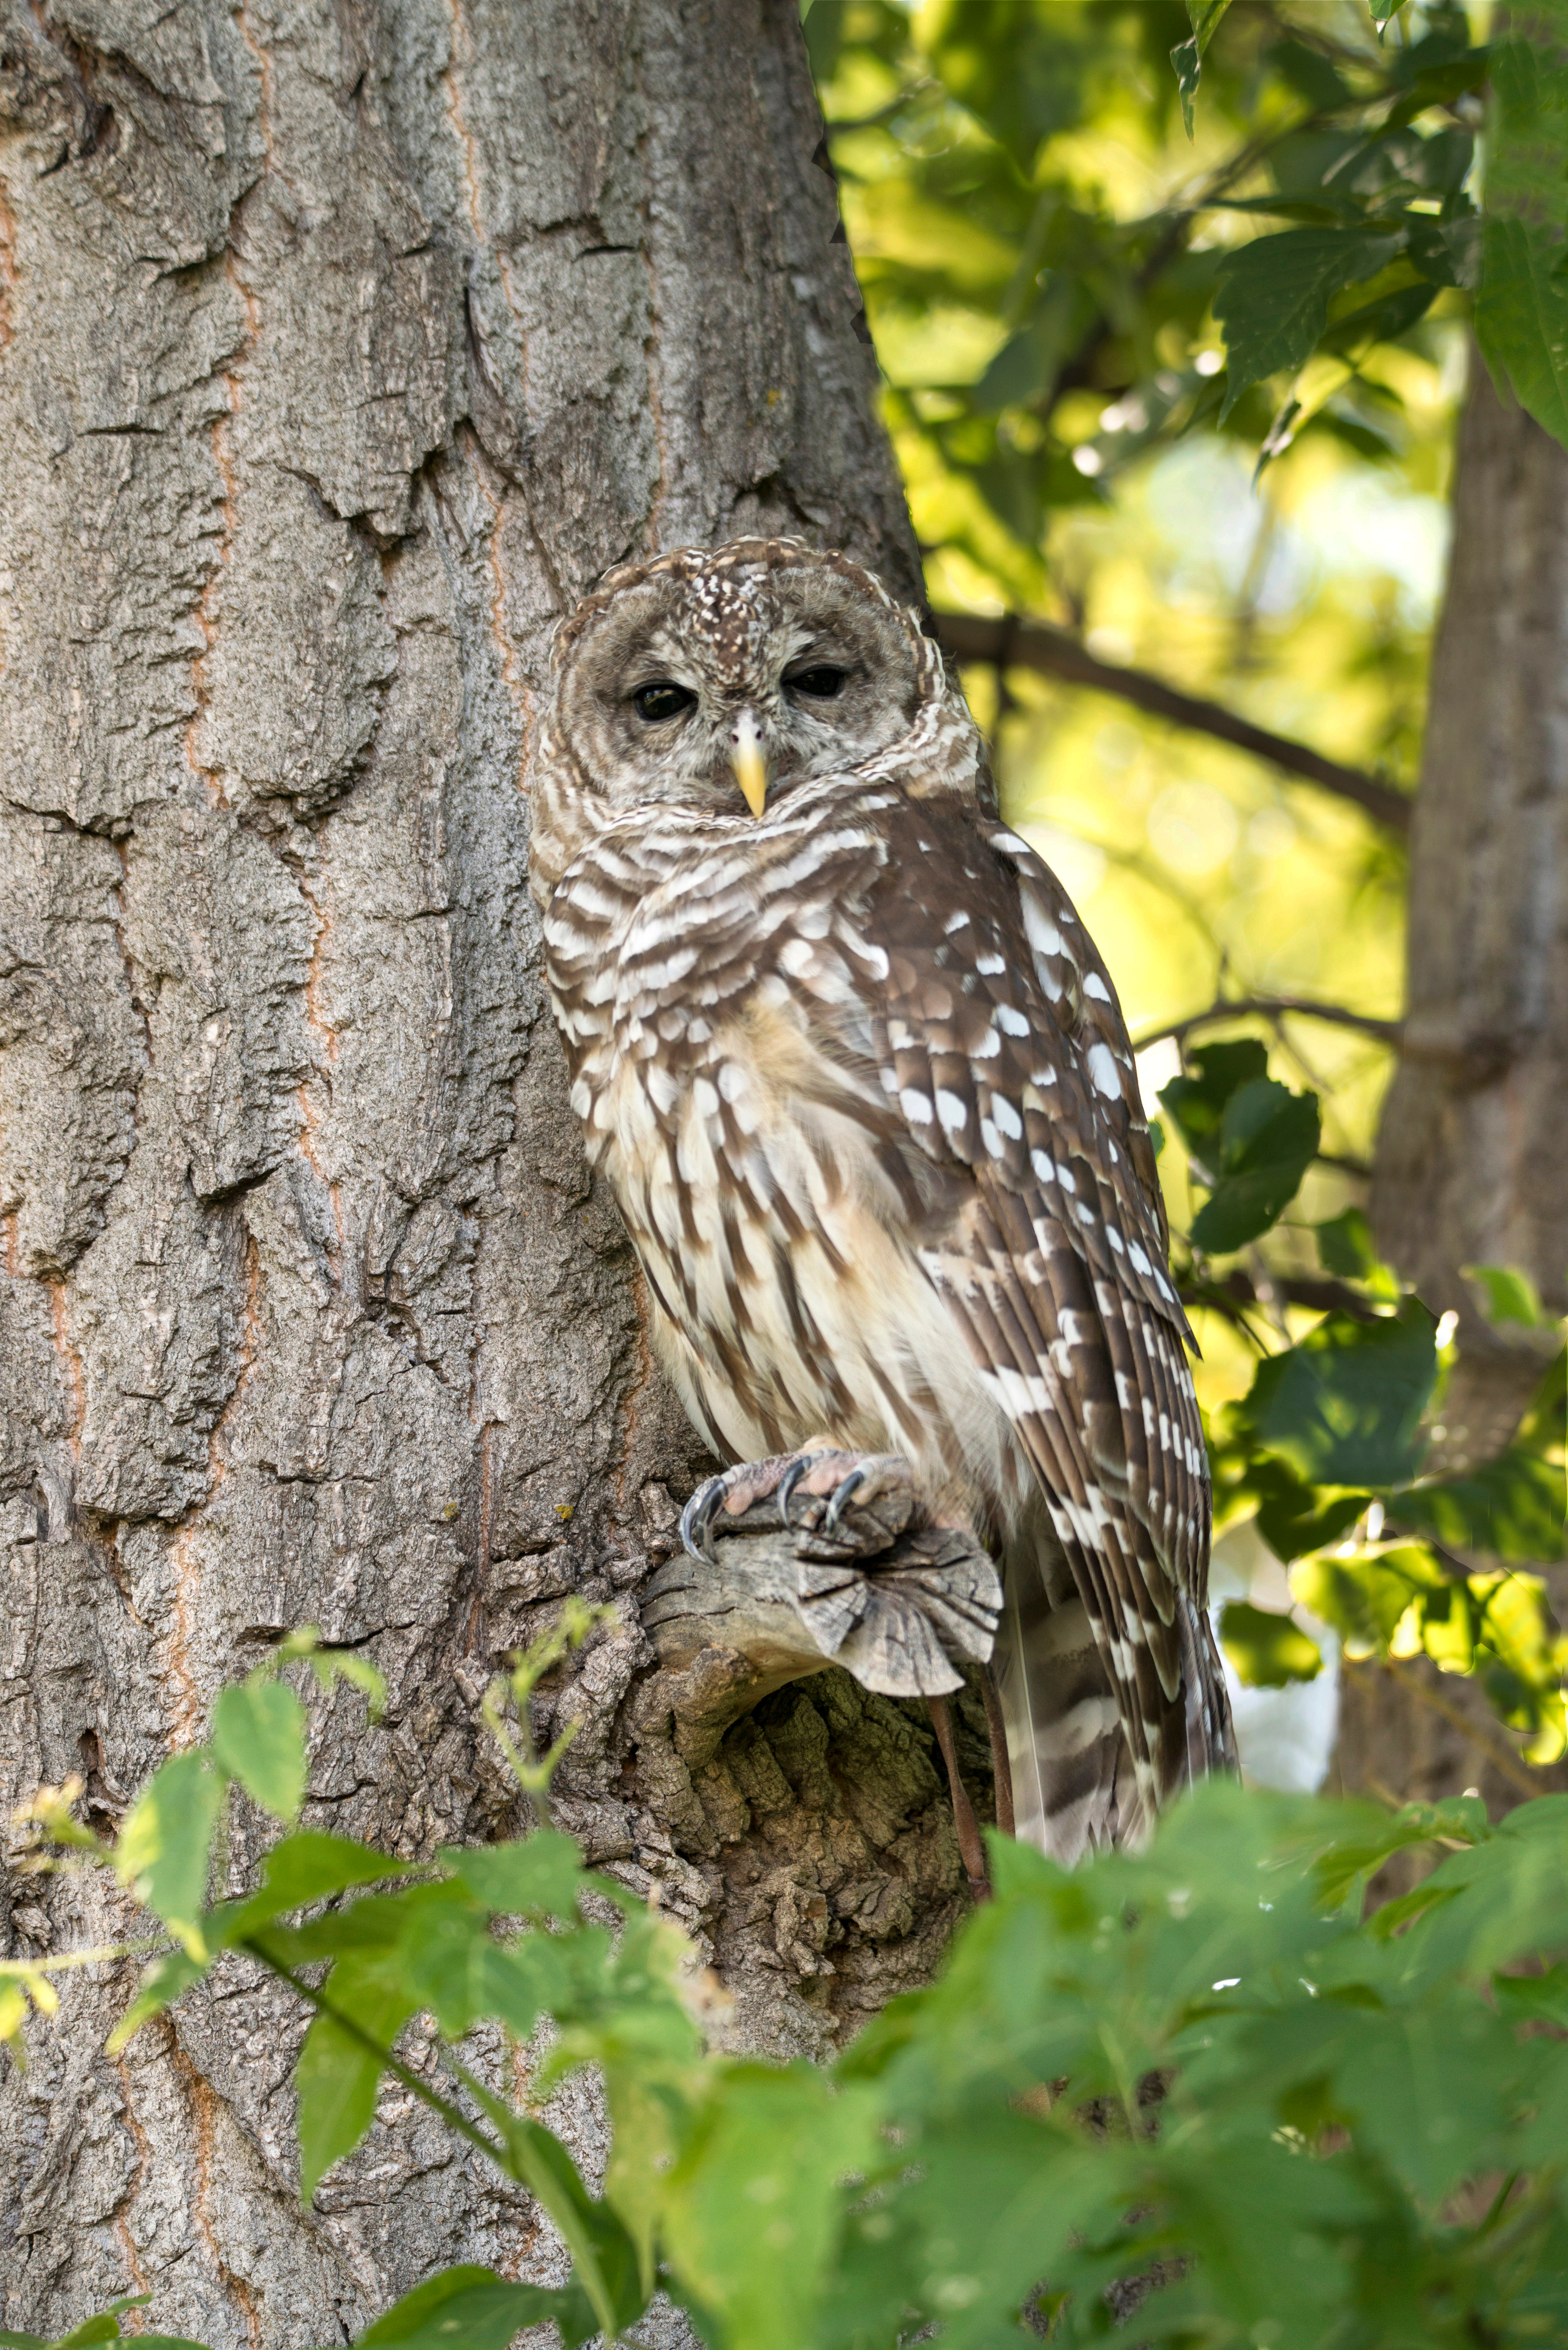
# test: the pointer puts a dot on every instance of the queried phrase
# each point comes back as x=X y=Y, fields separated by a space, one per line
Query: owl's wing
x=997 y=1032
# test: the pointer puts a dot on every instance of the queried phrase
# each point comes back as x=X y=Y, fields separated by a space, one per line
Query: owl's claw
x=789 y=1481
x=843 y=1495
x=837 y=1505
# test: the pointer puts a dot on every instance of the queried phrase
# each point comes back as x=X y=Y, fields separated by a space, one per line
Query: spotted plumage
x=859 y=1081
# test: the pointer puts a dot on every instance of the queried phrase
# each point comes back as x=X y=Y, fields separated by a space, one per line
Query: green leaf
x=1187 y=57
x=1510 y=1508
x=752 y=2208
x=1274 y=295
x=331 y=1665
x=1367 y=1838
x=472 y=2308
x=166 y=1843
x=644 y=2137
x=303 y=1868
x=1293 y=1517
x=454 y=1965
x=1204 y=17
x=603 y=2253
x=1513 y=1903
x=1268 y=1138
x=542 y=1876
x=106 y=2327
x=258 y=1738
x=161 y=1986
x=164 y=2341
x=1343 y=1408
x=1522 y=319
x=1365 y=1598
x=103 y=2328
x=338 y=2075
x=1187 y=67
x=1531 y=1998
x=1268 y=1650
x=1196 y=1104
x=1521 y=307
x=1507 y=1296
x=1345 y=1246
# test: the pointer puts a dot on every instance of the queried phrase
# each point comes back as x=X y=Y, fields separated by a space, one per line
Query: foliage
x=1326 y=1448
x=1096 y=239
x=960 y=125
x=1192 y=2082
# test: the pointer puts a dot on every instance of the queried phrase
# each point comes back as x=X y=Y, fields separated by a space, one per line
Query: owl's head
x=719 y=681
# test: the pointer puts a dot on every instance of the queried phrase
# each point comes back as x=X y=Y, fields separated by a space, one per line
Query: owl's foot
x=837 y=1505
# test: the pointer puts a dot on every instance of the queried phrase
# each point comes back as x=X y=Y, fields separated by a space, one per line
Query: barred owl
x=863 y=1091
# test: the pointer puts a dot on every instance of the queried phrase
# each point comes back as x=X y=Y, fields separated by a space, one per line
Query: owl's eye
x=821 y=682
x=661 y=698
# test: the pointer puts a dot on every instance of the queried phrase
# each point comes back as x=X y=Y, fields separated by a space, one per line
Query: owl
x=861 y=1086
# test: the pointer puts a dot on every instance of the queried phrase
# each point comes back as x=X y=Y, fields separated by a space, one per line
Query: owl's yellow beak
x=746 y=758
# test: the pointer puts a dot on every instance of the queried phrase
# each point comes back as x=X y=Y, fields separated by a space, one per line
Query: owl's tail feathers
x=1072 y=1773
x=1211 y=1732
x=1073 y=1780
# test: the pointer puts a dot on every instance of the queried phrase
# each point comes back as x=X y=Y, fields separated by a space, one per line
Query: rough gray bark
x=1472 y=1159
x=342 y=344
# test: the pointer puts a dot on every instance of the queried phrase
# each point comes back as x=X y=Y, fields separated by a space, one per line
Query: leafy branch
x=1233 y=2139
x=1012 y=643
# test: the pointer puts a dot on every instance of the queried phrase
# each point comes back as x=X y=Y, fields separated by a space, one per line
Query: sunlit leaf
x=331 y=1665
x=753 y=2212
x=258 y=1738
x=1268 y=1649
x=1365 y=1598
x=1187 y=57
x=1513 y=1508
x=164 y=1846
x=1508 y=1294
x=1343 y=1407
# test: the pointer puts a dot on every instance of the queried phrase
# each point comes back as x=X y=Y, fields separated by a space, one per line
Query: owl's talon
x=697 y=1519
x=835 y=1505
x=787 y=1483
x=843 y=1494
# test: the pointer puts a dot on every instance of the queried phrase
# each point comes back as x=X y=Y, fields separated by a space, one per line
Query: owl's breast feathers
x=862 y=1088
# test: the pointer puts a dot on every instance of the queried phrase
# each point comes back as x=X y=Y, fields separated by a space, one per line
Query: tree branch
x=1033 y=644
x=1338 y=1015
x=1501 y=1758
x=1232 y=1294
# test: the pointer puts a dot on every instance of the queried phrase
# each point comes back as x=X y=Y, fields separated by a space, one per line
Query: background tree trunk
x=341 y=346
x=1472 y=1159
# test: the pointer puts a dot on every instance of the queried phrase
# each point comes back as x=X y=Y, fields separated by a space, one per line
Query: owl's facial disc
x=714 y=688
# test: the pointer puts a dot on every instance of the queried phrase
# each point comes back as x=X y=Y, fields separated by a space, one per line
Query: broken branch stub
x=898 y=1624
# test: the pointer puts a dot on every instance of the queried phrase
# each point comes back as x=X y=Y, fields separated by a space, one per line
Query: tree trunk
x=1472 y=1160
x=342 y=345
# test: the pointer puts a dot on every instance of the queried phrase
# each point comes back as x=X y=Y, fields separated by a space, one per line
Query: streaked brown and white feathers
x=860 y=1083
